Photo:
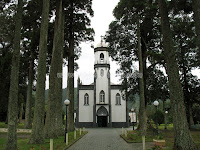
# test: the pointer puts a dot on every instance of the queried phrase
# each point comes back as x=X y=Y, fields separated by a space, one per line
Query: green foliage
x=156 y=83
x=123 y=48
x=77 y=25
x=4 y=125
x=134 y=137
x=158 y=116
x=6 y=49
x=196 y=113
x=160 y=136
x=64 y=96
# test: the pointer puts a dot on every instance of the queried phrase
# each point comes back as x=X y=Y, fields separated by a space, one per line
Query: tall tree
x=70 y=77
x=122 y=33
x=28 y=117
x=183 y=139
x=77 y=29
x=31 y=33
x=14 y=80
x=186 y=52
x=37 y=135
x=142 y=115
x=53 y=124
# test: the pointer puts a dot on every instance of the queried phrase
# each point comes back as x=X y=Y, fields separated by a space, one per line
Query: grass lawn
x=168 y=135
x=133 y=137
x=19 y=125
x=58 y=144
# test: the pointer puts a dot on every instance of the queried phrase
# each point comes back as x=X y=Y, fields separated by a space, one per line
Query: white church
x=100 y=104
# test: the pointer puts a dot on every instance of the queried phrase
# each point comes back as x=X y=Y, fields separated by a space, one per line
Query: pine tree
x=77 y=30
x=53 y=124
x=142 y=116
x=37 y=135
x=183 y=139
x=28 y=111
x=14 y=80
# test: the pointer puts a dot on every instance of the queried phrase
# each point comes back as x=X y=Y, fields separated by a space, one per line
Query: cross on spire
x=102 y=38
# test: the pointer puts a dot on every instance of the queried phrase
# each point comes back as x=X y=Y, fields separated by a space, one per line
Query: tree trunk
x=127 y=110
x=182 y=136
x=28 y=117
x=52 y=124
x=191 y=121
x=196 y=10
x=37 y=135
x=14 y=81
x=70 y=89
x=186 y=89
x=142 y=116
x=59 y=105
x=165 y=114
x=70 y=79
x=21 y=112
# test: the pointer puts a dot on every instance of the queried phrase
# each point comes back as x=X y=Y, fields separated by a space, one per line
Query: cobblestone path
x=105 y=139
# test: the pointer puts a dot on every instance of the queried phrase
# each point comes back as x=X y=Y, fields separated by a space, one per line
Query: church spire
x=102 y=38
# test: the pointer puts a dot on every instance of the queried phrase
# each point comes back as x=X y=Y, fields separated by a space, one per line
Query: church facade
x=101 y=104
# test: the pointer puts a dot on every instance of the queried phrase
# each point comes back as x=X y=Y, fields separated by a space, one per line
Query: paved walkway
x=105 y=139
x=18 y=130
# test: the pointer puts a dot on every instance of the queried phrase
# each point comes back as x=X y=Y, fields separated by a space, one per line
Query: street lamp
x=132 y=110
x=156 y=103
x=166 y=112
x=66 y=102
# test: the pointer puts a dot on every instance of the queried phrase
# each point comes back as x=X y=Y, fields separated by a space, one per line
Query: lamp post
x=156 y=103
x=132 y=110
x=166 y=112
x=66 y=102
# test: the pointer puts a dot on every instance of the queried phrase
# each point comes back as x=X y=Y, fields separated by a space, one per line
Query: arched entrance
x=102 y=117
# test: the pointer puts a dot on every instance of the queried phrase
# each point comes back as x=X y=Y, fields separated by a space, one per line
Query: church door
x=102 y=121
x=102 y=117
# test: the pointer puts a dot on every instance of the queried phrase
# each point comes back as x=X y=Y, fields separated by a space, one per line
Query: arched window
x=118 y=99
x=101 y=56
x=102 y=96
x=86 y=99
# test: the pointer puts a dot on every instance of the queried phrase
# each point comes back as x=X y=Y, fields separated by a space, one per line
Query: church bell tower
x=102 y=92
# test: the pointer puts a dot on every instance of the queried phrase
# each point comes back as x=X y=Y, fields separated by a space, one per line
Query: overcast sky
x=100 y=22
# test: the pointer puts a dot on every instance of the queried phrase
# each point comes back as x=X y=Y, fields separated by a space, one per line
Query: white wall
x=102 y=84
x=86 y=111
x=118 y=111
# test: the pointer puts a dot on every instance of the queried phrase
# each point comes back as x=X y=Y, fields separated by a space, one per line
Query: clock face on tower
x=102 y=72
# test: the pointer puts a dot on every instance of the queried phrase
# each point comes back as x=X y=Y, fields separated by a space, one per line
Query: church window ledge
x=102 y=104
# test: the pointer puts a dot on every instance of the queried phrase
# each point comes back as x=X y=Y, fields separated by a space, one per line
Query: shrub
x=156 y=146
x=159 y=115
x=196 y=113
x=160 y=136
